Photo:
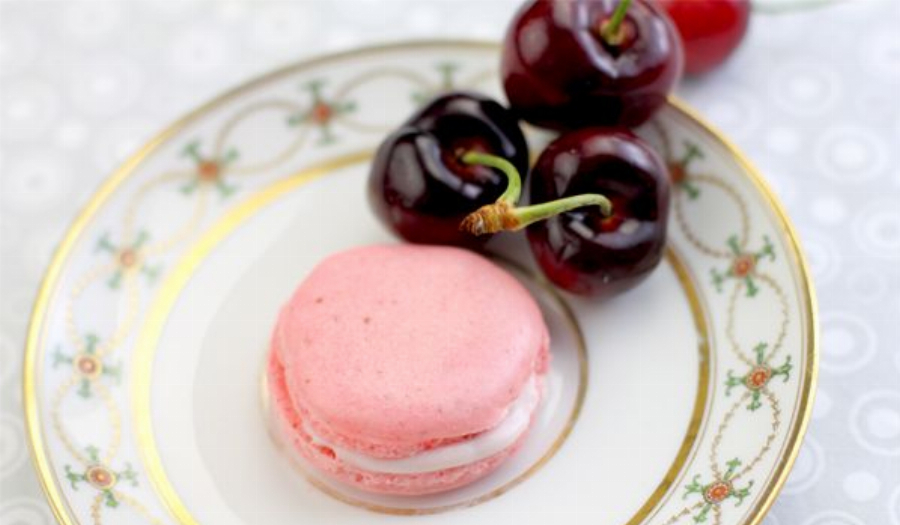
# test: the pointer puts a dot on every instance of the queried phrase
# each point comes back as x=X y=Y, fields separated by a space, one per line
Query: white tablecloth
x=813 y=97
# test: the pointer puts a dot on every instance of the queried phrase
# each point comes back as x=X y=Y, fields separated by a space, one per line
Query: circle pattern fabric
x=86 y=83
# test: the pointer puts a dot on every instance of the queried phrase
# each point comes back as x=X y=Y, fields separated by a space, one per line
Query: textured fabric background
x=812 y=97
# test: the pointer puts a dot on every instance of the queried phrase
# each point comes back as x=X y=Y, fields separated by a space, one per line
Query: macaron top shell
x=407 y=344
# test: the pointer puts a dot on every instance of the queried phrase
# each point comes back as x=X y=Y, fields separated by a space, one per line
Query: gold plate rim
x=40 y=459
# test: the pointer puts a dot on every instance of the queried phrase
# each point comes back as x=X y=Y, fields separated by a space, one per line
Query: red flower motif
x=208 y=170
x=88 y=365
x=677 y=173
x=128 y=258
x=100 y=477
x=758 y=377
x=717 y=492
x=743 y=265
x=321 y=113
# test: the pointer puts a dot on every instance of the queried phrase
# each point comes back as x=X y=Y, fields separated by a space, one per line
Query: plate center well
x=644 y=382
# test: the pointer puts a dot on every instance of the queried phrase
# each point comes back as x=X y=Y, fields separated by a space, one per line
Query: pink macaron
x=407 y=369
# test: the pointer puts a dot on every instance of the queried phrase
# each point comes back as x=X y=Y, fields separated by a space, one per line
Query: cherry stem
x=610 y=30
x=513 y=179
x=505 y=215
x=538 y=212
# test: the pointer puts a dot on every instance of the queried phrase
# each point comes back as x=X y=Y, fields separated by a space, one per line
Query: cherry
x=710 y=29
x=575 y=63
x=420 y=187
x=583 y=251
x=600 y=213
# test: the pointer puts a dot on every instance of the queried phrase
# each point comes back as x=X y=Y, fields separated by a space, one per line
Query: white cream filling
x=481 y=447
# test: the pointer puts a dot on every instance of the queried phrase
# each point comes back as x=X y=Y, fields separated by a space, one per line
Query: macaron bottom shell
x=287 y=426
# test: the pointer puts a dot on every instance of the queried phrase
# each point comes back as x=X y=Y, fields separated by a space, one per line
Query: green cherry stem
x=505 y=215
x=611 y=29
x=514 y=180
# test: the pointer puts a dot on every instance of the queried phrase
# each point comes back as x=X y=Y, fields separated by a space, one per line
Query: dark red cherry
x=582 y=250
x=420 y=187
x=710 y=30
x=563 y=69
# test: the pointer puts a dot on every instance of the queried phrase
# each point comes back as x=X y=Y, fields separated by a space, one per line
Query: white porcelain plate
x=682 y=401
